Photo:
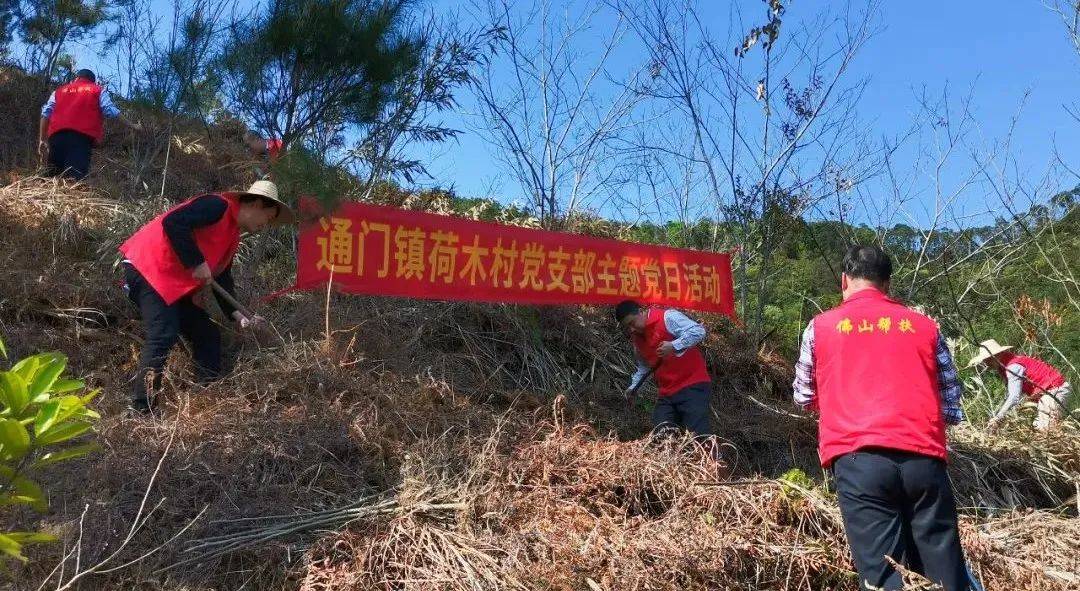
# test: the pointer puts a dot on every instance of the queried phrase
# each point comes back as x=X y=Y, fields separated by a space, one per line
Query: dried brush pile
x=378 y=443
x=571 y=510
x=1017 y=467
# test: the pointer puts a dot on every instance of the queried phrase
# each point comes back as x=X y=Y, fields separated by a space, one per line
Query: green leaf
x=12 y=548
x=63 y=432
x=30 y=537
x=76 y=406
x=27 y=367
x=46 y=377
x=23 y=491
x=62 y=386
x=92 y=395
x=13 y=393
x=75 y=451
x=46 y=416
x=3 y=349
x=70 y=406
x=14 y=440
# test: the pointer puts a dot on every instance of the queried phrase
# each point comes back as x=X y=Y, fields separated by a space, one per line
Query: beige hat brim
x=985 y=354
x=285 y=215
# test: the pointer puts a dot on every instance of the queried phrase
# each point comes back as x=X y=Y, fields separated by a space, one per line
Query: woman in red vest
x=1026 y=376
x=884 y=384
x=666 y=344
x=169 y=260
x=72 y=123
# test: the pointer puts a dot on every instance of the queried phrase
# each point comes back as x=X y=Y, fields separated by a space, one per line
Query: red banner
x=372 y=249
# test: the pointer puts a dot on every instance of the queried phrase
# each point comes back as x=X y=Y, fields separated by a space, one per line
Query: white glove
x=249 y=323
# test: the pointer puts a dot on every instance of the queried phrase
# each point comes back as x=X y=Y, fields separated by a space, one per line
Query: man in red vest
x=1026 y=376
x=884 y=384
x=666 y=343
x=169 y=260
x=72 y=122
x=260 y=147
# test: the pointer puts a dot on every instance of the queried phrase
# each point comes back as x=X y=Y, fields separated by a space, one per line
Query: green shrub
x=40 y=418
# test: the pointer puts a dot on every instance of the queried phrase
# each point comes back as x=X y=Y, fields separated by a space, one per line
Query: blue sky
x=998 y=50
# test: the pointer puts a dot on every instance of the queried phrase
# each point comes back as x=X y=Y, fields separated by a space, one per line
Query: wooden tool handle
x=225 y=295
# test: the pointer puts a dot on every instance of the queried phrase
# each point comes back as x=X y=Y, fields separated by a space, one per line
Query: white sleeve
x=1014 y=373
x=687 y=333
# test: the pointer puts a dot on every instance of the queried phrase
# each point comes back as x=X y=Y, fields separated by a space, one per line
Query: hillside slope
x=433 y=445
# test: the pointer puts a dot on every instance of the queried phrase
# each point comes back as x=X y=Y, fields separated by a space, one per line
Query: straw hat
x=268 y=190
x=987 y=349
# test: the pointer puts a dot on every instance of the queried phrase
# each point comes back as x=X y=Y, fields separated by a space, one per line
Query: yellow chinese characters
x=629 y=277
x=606 y=276
x=336 y=247
x=557 y=267
x=454 y=255
x=672 y=280
x=503 y=260
x=882 y=324
x=410 y=252
x=474 y=264
x=652 y=289
x=581 y=275
x=443 y=257
x=370 y=228
x=693 y=279
x=532 y=259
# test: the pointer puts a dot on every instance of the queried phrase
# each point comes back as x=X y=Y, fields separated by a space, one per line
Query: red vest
x=273 y=148
x=78 y=108
x=876 y=374
x=677 y=371
x=152 y=255
x=1039 y=377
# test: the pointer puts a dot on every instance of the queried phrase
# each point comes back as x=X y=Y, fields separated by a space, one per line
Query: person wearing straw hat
x=169 y=260
x=883 y=382
x=1025 y=376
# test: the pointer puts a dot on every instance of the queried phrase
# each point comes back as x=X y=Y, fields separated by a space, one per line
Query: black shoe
x=140 y=405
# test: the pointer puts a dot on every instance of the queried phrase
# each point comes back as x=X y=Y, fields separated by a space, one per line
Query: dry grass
x=571 y=510
x=488 y=444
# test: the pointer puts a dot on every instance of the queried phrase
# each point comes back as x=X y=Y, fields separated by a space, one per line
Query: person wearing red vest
x=260 y=147
x=169 y=260
x=1026 y=376
x=884 y=384
x=72 y=123
x=666 y=344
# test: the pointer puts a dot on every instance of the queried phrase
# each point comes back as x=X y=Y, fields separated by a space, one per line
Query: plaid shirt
x=949 y=384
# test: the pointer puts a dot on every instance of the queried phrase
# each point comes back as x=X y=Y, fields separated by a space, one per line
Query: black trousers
x=69 y=154
x=163 y=325
x=901 y=505
x=686 y=409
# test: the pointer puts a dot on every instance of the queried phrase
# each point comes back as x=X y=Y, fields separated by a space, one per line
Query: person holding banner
x=666 y=342
x=884 y=384
x=169 y=260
